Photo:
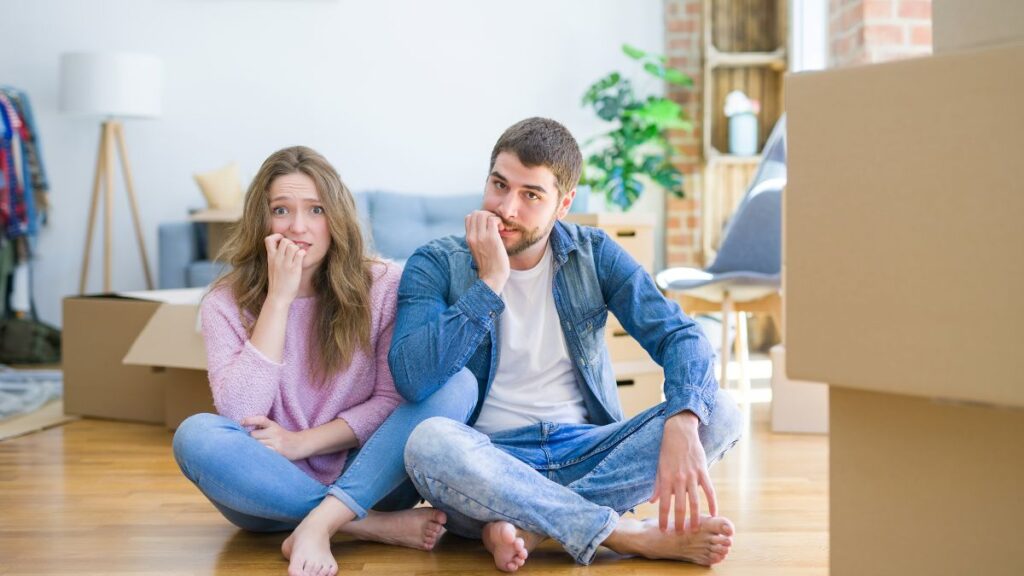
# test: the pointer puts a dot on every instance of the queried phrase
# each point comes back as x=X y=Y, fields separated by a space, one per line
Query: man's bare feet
x=508 y=548
x=418 y=528
x=708 y=545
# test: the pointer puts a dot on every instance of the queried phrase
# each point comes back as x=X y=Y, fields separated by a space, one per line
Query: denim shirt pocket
x=591 y=333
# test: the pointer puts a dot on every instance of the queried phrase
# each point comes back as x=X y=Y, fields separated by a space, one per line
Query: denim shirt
x=448 y=319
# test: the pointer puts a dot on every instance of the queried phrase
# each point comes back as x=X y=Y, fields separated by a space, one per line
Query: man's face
x=526 y=200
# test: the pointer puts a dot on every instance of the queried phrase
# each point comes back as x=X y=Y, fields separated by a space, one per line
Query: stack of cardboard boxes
x=904 y=255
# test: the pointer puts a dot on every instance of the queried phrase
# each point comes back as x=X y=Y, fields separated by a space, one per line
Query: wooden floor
x=97 y=497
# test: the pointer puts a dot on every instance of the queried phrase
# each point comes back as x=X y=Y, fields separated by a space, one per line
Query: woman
x=311 y=433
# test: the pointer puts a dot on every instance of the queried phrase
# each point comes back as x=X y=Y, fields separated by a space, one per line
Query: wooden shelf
x=775 y=60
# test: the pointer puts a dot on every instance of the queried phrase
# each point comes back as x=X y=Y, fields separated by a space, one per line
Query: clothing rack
x=24 y=191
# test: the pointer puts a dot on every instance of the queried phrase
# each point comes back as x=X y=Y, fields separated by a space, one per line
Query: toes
x=439 y=517
x=721 y=540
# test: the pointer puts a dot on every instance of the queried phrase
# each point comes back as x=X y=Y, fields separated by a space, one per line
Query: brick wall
x=869 y=31
x=860 y=31
x=683 y=46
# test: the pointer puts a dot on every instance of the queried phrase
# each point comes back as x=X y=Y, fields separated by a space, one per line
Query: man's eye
x=500 y=185
x=532 y=196
x=317 y=210
x=279 y=211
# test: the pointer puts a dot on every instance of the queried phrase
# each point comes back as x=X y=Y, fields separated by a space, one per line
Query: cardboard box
x=960 y=25
x=640 y=385
x=902 y=263
x=135 y=356
x=921 y=486
x=903 y=242
x=634 y=232
x=797 y=406
x=97 y=332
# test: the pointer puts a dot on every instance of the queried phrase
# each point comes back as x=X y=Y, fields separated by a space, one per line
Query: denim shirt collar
x=562 y=243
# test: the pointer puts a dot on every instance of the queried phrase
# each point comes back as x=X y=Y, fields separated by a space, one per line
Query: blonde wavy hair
x=343 y=280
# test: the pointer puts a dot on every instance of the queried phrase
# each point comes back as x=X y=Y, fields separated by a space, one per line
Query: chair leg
x=723 y=381
x=743 y=353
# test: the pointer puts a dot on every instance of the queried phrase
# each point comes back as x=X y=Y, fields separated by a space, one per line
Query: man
x=521 y=302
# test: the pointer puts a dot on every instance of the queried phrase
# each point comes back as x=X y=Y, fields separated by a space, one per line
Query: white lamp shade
x=110 y=84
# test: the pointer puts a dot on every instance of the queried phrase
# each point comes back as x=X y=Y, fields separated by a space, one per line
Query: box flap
x=903 y=242
x=170 y=339
x=175 y=296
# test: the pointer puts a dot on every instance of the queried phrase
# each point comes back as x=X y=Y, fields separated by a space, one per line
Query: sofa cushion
x=401 y=223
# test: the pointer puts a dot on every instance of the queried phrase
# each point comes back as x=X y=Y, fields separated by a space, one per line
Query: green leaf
x=678 y=78
x=634 y=53
x=654 y=69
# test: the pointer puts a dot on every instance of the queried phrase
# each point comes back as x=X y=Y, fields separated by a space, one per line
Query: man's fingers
x=709 y=492
x=654 y=495
x=680 y=508
x=691 y=493
x=663 y=510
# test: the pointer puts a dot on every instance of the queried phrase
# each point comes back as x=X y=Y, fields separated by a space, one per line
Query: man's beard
x=529 y=237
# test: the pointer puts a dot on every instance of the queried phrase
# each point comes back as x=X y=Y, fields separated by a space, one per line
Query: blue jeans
x=257 y=489
x=568 y=482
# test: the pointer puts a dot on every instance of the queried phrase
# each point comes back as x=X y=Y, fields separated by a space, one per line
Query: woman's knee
x=457 y=398
x=197 y=436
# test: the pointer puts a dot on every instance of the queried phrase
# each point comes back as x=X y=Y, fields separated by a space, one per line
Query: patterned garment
x=23 y=182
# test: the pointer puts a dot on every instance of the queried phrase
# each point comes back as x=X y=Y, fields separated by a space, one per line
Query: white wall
x=402 y=95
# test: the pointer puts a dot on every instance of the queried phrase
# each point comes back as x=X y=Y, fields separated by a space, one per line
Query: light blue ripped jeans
x=569 y=482
x=257 y=489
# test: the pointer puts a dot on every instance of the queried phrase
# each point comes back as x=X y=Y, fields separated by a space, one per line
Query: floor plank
x=99 y=497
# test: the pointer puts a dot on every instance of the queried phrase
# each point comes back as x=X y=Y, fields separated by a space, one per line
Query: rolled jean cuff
x=347 y=500
x=586 y=556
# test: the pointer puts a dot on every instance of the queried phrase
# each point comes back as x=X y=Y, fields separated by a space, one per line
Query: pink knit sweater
x=247 y=383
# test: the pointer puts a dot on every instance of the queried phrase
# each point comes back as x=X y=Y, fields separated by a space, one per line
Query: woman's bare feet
x=506 y=545
x=418 y=528
x=708 y=545
x=308 y=549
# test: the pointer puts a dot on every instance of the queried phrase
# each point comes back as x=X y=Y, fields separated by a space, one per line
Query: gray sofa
x=394 y=226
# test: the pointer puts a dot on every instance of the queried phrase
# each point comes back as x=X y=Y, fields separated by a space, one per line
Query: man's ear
x=565 y=203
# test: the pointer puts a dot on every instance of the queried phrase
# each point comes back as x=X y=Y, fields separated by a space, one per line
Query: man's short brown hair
x=543 y=142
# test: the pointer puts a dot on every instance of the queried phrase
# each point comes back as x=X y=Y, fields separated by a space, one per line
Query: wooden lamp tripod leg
x=100 y=173
x=118 y=131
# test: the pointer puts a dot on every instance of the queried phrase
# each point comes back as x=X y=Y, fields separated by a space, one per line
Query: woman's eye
x=317 y=210
x=279 y=211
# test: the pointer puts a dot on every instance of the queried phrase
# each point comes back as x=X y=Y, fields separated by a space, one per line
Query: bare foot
x=708 y=545
x=507 y=547
x=418 y=528
x=308 y=550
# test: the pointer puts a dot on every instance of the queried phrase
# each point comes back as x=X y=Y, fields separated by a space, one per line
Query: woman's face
x=297 y=214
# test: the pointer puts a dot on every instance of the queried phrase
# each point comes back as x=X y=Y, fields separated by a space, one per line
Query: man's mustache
x=509 y=225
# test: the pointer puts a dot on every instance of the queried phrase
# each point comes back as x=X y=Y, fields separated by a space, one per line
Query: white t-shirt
x=535 y=380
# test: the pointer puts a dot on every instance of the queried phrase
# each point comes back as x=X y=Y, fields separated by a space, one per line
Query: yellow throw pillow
x=222 y=188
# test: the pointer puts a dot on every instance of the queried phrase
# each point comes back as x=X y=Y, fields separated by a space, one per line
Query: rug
x=24 y=391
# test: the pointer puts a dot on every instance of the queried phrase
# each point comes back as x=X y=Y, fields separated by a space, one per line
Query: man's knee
x=433 y=442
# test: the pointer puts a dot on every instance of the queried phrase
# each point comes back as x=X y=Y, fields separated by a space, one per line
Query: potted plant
x=636 y=150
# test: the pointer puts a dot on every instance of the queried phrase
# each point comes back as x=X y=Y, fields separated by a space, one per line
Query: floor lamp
x=112 y=87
